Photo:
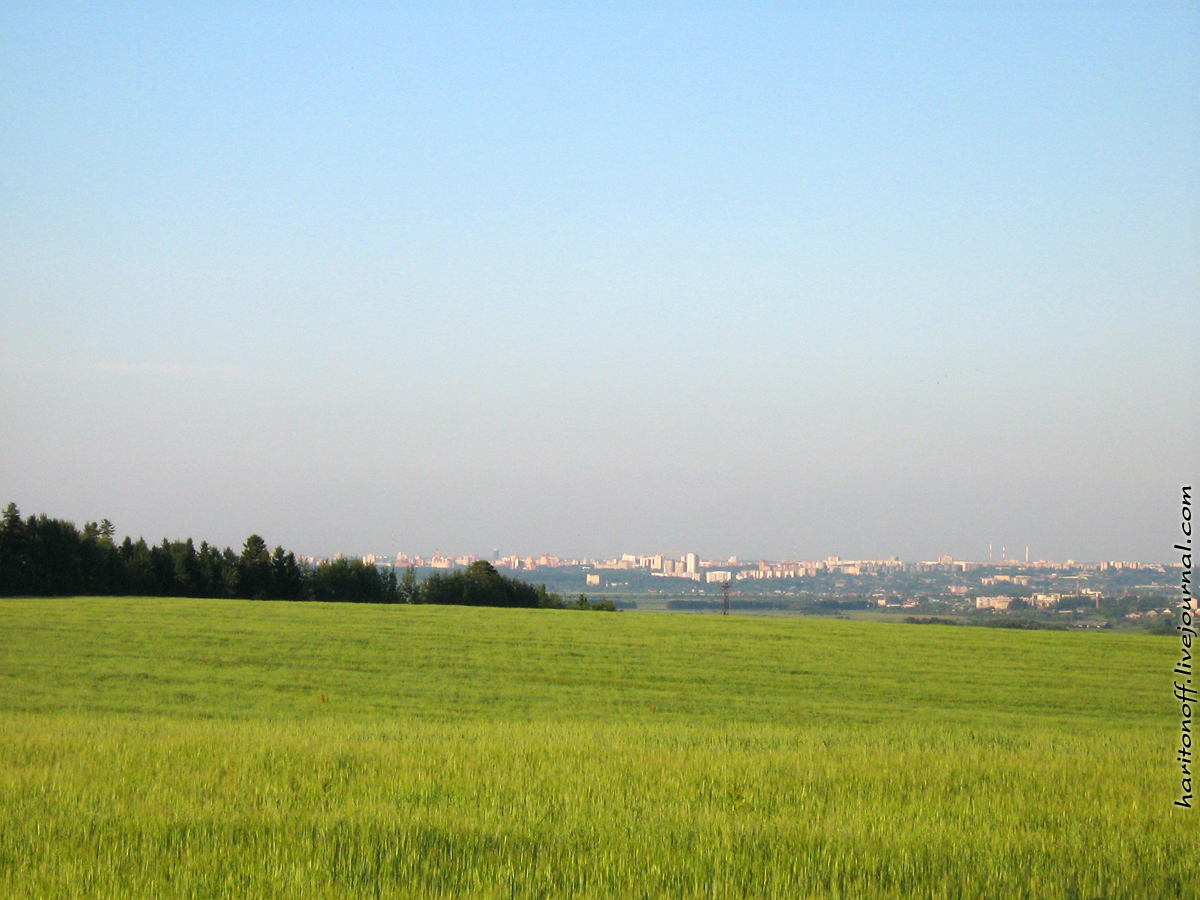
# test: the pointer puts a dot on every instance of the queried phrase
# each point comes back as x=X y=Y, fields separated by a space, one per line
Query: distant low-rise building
x=993 y=602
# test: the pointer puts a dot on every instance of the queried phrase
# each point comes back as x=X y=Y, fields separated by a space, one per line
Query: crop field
x=166 y=748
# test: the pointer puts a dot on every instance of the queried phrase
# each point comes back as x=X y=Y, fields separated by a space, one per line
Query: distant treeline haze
x=40 y=556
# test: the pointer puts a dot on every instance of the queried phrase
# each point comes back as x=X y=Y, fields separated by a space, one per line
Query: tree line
x=41 y=556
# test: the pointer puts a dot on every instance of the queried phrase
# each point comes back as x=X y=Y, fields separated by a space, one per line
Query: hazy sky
x=852 y=279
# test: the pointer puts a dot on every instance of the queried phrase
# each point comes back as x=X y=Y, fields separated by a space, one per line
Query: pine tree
x=254 y=569
x=14 y=553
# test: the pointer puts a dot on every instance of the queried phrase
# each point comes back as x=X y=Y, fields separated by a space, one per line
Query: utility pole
x=724 y=598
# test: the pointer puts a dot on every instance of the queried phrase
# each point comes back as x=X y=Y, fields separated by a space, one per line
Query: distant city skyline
x=874 y=281
x=692 y=564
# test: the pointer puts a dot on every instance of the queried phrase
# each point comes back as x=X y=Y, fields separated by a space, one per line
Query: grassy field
x=192 y=748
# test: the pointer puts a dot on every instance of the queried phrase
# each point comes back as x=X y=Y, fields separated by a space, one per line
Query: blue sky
x=865 y=280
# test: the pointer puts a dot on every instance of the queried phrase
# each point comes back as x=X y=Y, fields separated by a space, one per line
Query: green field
x=203 y=748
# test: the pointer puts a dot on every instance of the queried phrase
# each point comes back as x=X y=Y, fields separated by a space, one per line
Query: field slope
x=192 y=748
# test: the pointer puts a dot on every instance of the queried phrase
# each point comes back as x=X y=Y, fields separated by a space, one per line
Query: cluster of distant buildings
x=991 y=584
x=692 y=566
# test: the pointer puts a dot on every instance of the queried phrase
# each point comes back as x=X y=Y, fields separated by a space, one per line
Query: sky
x=738 y=279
